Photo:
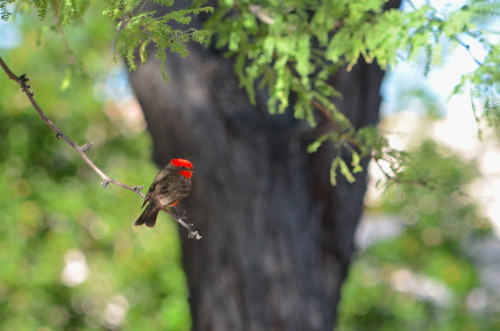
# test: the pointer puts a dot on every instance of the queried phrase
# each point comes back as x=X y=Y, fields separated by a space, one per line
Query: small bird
x=170 y=185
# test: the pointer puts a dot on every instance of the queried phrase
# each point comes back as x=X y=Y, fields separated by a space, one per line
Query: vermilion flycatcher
x=170 y=185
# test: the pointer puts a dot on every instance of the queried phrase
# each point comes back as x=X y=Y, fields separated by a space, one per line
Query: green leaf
x=302 y=55
x=333 y=171
x=143 y=53
x=356 y=159
x=313 y=147
x=67 y=80
x=344 y=170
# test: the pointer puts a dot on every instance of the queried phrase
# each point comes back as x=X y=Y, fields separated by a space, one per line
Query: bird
x=170 y=185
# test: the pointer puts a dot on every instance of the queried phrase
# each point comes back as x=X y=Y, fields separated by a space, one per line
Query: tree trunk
x=277 y=237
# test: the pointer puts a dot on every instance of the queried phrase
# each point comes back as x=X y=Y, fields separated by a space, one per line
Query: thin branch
x=106 y=180
x=467 y=48
x=22 y=80
x=411 y=4
x=477 y=117
x=327 y=114
x=394 y=178
x=180 y=219
x=335 y=123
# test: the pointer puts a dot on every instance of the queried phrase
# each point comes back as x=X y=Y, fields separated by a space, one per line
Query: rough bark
x=277 y=237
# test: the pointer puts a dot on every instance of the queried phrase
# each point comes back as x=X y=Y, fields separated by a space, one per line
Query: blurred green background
x=71 y=258
x=428 y=270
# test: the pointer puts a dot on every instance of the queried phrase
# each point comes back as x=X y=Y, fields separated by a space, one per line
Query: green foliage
x=292 y=47
x=66 y=11
x=137 y=31
x=484 y=84
x=424 y=276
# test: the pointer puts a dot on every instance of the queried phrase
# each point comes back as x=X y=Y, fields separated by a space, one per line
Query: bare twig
x=393 y=178
x=106 y=180
x=467 y=48
x=180 y=219
x=22 y=80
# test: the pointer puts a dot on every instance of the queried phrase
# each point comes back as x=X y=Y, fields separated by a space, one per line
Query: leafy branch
x=138 y=30
x=292 y=48
x=4 y=13
x=22 y=81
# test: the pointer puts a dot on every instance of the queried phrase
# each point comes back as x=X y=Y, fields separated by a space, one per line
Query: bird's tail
x=148 y=217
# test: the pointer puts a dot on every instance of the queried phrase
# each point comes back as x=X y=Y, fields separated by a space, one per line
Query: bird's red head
x=185 y=165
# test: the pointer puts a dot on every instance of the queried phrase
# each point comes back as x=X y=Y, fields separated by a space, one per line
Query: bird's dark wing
x=174 y=189
x=159 y=178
